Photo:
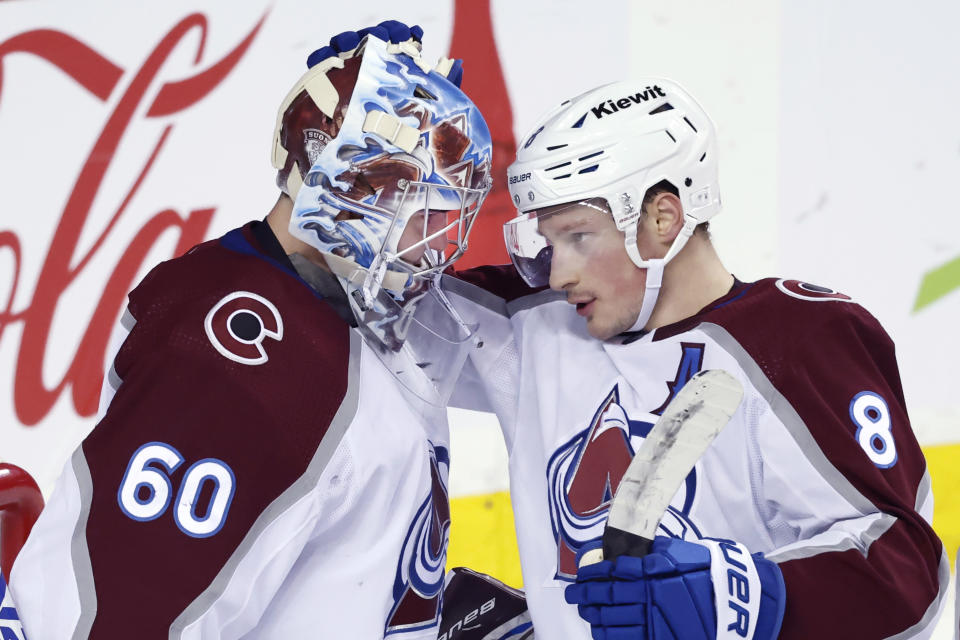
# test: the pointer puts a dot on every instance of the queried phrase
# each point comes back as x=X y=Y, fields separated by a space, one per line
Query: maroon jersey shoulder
x=830 y=360
x=235 y=363
x=789 y=324
x=821 y=351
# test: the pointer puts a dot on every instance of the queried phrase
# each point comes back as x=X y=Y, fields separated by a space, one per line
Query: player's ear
x=665 y=217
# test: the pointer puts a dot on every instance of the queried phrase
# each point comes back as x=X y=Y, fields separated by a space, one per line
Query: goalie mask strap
x=349 y=270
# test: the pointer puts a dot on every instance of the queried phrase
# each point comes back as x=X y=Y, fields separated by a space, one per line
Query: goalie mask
x=388 y=164
x=603 y=150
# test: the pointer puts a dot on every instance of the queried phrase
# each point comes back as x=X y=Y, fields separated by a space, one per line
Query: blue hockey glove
x=392 y=31
x=672 y=594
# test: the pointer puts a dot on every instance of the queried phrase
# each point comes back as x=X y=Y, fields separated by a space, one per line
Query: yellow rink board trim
x=482 y=535
x=943 y=462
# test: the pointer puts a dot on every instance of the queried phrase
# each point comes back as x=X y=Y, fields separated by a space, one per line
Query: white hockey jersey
x=818 y=469
x=258 y=473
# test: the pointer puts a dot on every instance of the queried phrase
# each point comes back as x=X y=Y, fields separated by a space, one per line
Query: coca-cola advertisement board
x=127 y=136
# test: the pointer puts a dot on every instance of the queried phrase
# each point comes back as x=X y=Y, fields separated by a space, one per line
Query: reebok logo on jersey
x=610 y=107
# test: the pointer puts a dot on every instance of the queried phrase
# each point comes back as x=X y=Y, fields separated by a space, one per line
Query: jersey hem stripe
x=794 y=425
x=82 y=567
x=926 y=626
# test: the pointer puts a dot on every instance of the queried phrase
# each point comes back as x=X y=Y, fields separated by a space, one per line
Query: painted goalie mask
x=388 y=164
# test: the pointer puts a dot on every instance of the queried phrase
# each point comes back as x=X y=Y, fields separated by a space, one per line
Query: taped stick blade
x=690 y=423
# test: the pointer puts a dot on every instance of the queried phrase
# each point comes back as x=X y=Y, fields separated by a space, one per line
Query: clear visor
x=421 y=340
x=537 y=238
x=430 y=230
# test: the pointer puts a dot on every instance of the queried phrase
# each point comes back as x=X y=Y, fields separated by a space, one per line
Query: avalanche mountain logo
x=583 y=476
x=418 y=585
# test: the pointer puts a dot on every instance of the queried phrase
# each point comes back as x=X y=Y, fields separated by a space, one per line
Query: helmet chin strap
x=654 y=267
x=651 y=292
x=364 y=279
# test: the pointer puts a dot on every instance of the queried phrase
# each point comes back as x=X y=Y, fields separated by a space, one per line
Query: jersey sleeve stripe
x=924 y=504
x=871 y=528
x=298 y=490
x=534 y=300
x=505 y=307
x=879 y=534
x=791 y=419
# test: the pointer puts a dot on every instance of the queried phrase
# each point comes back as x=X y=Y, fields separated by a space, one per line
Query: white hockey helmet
x=614 y=142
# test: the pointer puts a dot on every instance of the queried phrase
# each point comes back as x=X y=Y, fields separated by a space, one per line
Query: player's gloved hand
x=391 y=31
x=682 y=591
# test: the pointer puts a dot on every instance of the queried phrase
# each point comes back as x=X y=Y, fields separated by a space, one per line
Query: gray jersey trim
x=495 y=303
x=113 y=379
x=923 y=489
x=510 y=625
x=867 y=537
x=128 y=321
x=82 y=567
x=534 y=300
x=328 y=446
x=932 y=612
x=805 y=440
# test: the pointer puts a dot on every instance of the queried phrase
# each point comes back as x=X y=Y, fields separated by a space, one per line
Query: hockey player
x=808 y=517
x=273 y=459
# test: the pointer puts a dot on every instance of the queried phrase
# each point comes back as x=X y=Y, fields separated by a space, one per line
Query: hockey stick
x=689 y=424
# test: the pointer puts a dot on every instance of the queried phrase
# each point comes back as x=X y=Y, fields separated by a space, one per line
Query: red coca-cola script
x=473 y=40
x=101 y=77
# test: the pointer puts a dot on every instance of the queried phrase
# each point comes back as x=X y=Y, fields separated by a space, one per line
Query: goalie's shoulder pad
x=479 y=607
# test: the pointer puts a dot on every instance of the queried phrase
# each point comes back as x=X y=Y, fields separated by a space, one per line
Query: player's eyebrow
x=574 y=223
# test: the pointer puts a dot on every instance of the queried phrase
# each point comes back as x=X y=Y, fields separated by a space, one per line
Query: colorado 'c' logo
x=811 y=292
x=238 y=325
